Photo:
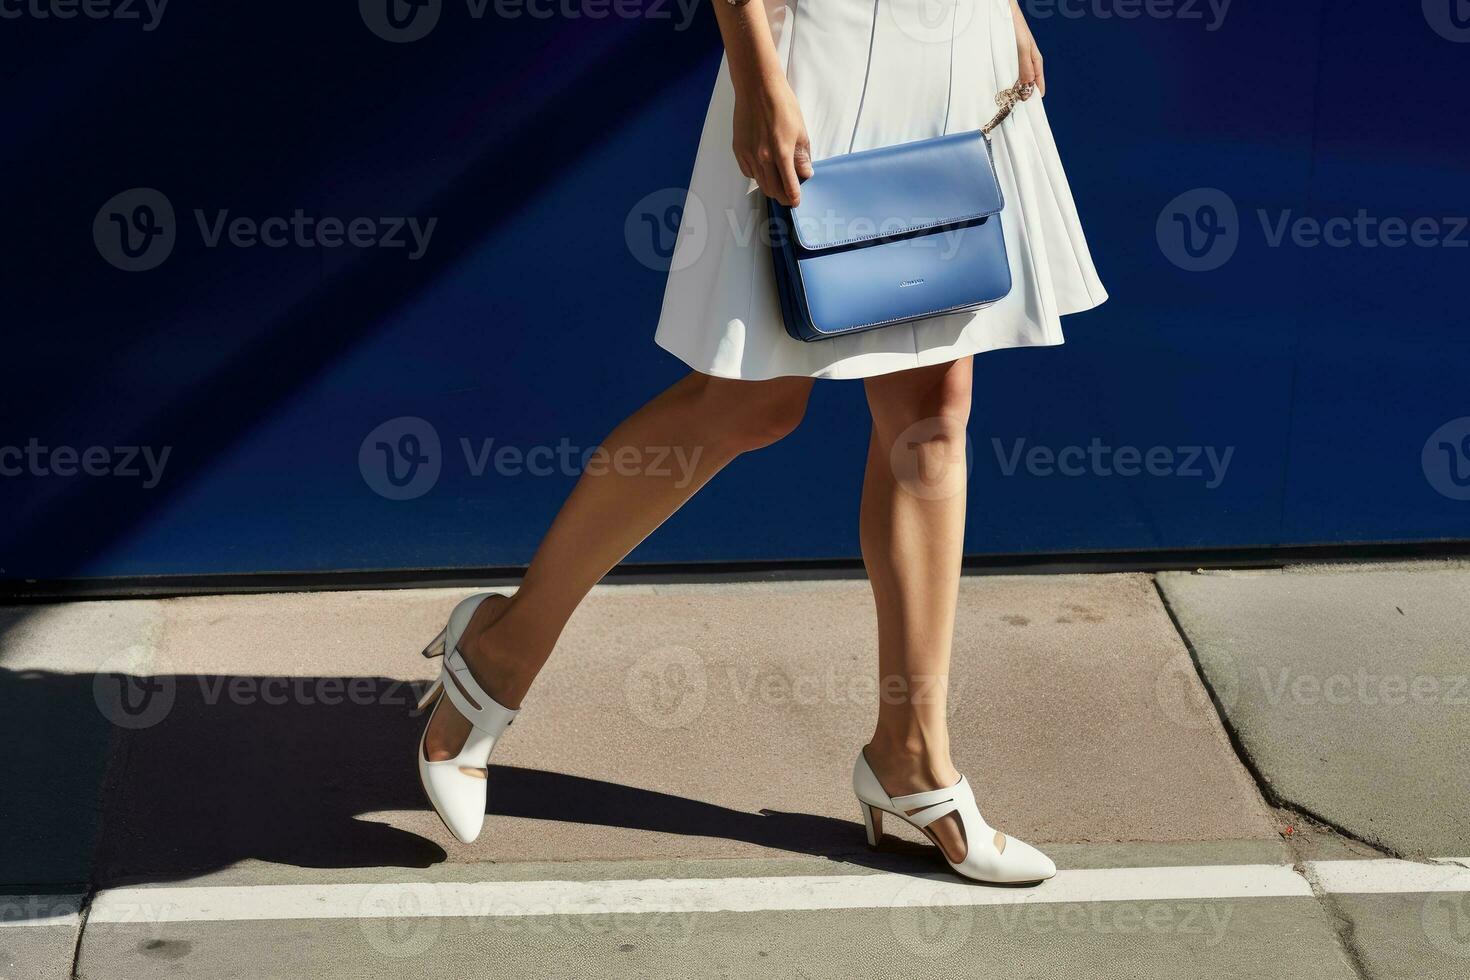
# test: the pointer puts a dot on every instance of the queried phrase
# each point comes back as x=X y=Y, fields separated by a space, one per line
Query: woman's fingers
x=1030 y=64
x=771 y=144
x=794 y=167
x=747 y=168
x=804 y=157
x=790 y=185
x=770 y=181
x=780 y=174
x=1027 y=74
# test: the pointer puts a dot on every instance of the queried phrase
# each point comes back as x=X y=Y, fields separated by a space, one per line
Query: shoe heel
x=436 y=645
x=872 y=823
x=432 y=694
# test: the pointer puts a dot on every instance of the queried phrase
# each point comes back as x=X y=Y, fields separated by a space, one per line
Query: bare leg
x=699 y=425
x=912 y=529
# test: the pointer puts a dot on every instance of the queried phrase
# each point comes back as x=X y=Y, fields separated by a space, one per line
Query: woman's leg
x=690 y=432
x=912 y=528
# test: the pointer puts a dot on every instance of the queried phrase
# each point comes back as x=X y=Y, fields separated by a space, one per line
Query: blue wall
x=1323 y=371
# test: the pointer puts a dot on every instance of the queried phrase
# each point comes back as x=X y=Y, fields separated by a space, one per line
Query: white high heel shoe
x=1016 y=863
x=456 y=787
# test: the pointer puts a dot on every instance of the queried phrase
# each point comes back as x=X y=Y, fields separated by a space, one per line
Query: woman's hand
x=771 y=143
x=1027 y=53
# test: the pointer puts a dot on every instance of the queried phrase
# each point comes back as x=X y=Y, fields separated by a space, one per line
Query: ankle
x=911 y=762
x=504 y=655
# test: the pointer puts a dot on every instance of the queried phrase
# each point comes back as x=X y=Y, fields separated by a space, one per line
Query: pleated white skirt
x=871 y=73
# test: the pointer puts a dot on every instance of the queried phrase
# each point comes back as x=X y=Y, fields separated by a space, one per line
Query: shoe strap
x=932 y=804
x=465 y=693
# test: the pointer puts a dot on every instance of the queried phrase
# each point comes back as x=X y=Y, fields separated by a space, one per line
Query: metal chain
x=1007 y=100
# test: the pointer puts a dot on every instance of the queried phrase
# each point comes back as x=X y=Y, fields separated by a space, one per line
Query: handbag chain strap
x=1007 y=100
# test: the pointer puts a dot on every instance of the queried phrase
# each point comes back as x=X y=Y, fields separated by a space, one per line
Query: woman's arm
x=771 y=143
x=1027 y=52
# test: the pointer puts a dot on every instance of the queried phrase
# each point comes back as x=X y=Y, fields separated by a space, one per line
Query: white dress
x=917 y=69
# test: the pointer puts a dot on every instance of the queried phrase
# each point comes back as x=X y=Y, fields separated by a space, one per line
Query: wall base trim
x=165 y=586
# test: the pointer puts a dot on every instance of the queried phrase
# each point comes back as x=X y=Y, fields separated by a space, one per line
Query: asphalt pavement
x=1244 y=774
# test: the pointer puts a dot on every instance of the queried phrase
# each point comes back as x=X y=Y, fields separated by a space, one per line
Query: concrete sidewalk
x=1350 y=691
x=269 y=739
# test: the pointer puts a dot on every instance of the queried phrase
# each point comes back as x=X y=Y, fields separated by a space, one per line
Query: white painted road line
x=519 y=899
x=1389 y=877
x=795 y=893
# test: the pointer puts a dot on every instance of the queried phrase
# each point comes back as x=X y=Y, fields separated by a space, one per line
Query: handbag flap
x=897 y=190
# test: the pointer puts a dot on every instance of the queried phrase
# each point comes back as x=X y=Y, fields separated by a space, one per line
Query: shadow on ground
x=190 y=774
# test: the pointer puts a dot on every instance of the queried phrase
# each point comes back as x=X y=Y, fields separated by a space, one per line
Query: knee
x=951 y=398
x=932 y=405
x=753 y=414
x=919 y=423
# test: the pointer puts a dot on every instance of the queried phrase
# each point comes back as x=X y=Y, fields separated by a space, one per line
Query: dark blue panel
x=1287 y=394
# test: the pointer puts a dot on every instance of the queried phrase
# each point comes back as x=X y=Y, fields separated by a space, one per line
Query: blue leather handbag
x=894 y=234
